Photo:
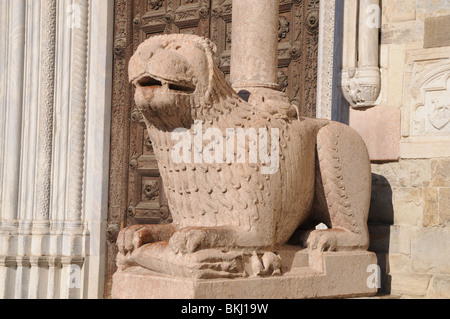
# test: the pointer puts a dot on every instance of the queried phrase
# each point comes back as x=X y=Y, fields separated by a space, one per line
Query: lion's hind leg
x=345 y=187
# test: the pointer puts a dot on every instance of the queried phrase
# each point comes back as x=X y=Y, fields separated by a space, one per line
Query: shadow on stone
x=244 y=94
x=381 y=218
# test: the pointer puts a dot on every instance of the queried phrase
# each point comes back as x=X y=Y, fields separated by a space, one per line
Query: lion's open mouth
x=152 y=83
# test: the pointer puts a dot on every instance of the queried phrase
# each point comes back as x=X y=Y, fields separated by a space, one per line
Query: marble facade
x=55 y=111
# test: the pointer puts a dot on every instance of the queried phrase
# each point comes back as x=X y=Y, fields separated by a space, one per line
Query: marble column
x=78 y=93
x=254 y=53
x=361 y=78
x=369 y=17
x=4 y=31
x=350 y=35
x=46 y=105
x=13 y=112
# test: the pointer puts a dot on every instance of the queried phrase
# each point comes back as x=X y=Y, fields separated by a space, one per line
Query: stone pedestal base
x=327 y=275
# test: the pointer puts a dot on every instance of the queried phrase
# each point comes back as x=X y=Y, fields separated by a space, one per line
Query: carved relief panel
x=136 y=193
x=426 y=107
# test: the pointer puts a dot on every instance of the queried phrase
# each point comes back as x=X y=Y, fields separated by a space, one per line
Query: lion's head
x=174 y=77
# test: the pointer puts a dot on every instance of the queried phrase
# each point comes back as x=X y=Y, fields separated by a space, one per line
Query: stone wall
x=410 y=212
x=409 y=226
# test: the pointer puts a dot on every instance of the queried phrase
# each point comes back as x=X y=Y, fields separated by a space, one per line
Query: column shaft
x=254 y=50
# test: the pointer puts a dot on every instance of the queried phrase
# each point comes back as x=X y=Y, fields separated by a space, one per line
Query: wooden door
x=136 y=194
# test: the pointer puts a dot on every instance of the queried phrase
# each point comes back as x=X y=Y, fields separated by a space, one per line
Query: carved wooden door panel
x=136 y=194
x=147 y=203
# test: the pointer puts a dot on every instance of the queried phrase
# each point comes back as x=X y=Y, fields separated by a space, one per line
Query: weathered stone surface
x=406 y=173
x=399 y=10
x=399 y=263
x=400 y=239
x=411 y=31
x=440 y=170
x=439 y=287
x=408 y=205
x=437 y=32
x=444 y=205
x=429 y=251
x=411 y=285
x=380 y=129
x=431 y=215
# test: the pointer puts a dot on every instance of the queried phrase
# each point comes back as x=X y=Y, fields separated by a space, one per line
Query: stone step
x=293 y=257
x=302 y=271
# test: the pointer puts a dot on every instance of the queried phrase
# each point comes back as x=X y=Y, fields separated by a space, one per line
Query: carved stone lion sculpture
x=230 y=218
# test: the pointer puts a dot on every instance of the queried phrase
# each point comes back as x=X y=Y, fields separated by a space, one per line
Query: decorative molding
x=120 y=131
x=361 y=87
x=78 y=112
x=46 y=102
x=325 y=74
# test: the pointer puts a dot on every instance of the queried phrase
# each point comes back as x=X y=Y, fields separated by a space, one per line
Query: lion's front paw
x=130 y=238
x=321 y=240
x=133 y=237
x=188 y=240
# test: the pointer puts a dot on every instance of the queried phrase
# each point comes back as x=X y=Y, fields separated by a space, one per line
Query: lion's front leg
x=334 y=239
x=192 y=239
x=344 y=188
x=133 y=237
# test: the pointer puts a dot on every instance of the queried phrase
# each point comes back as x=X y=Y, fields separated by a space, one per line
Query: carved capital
x=361 y=87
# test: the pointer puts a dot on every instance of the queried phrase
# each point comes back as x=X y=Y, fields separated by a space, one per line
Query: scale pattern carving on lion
x=224 y=213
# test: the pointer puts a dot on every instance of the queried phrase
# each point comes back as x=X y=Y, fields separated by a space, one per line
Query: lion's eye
x=148 y=81
x=182 y=88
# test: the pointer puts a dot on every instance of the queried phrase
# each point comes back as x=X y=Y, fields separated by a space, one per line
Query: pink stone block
x=380 y=128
